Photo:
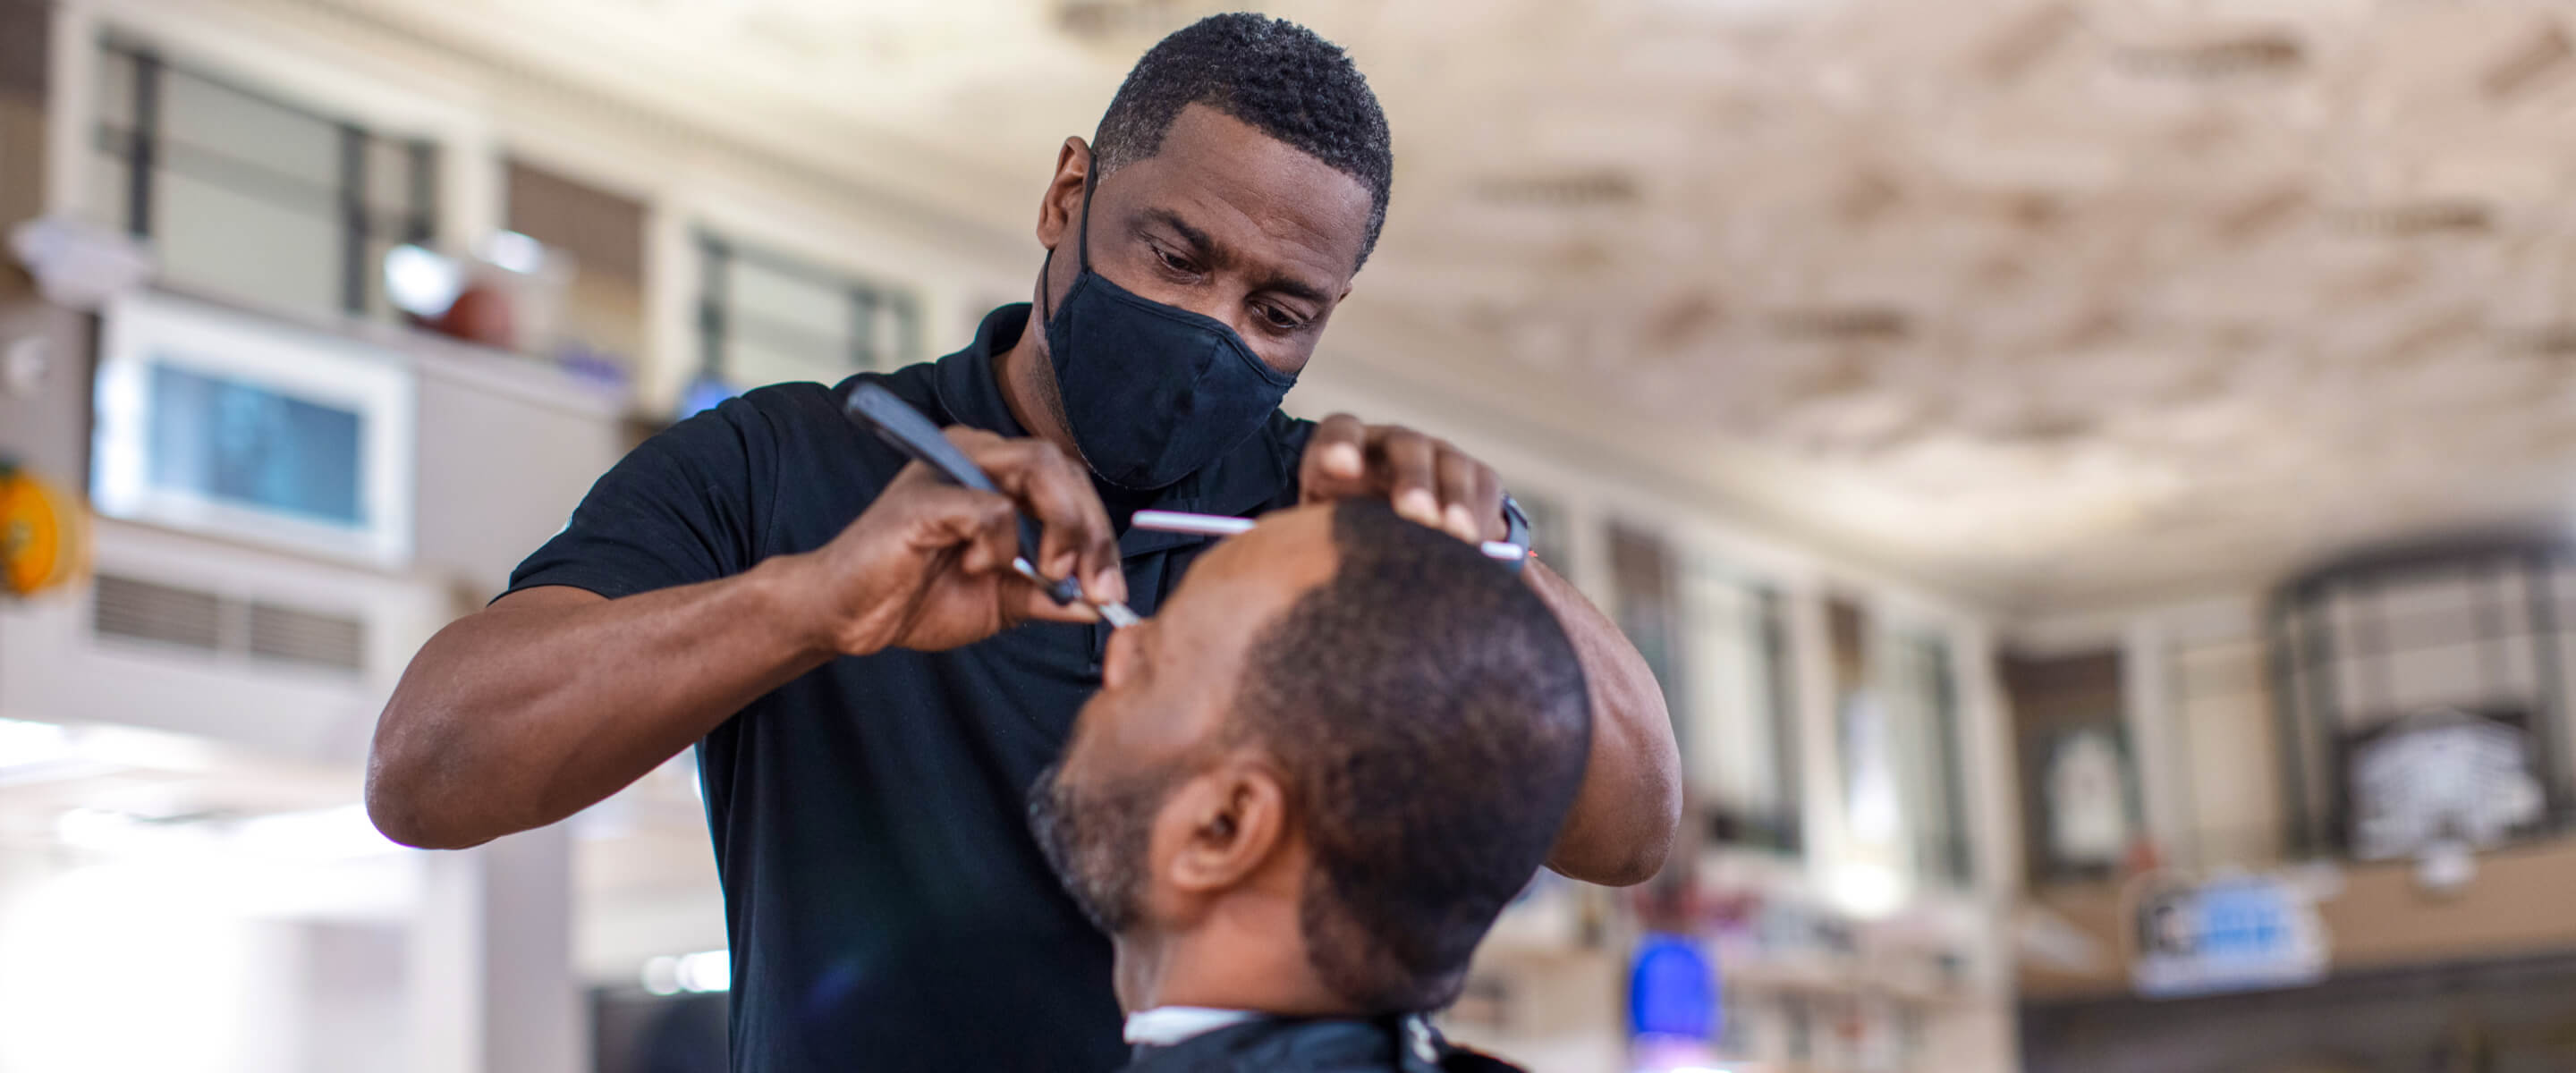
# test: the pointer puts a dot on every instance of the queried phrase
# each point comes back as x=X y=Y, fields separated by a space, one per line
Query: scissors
x=897 y=423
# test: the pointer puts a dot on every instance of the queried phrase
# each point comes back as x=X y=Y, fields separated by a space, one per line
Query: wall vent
x=166 y=614
x=217 y=625
x=300 y=636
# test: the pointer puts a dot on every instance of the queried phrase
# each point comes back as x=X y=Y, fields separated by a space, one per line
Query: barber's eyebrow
x=1294 y=288
x=1198 y=240
x=1212 y=250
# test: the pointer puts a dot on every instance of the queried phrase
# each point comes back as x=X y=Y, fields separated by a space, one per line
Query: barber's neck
x=1246 y=953
x=1028 y=386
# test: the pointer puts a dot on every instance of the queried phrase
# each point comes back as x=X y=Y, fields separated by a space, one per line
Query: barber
x=870 y=695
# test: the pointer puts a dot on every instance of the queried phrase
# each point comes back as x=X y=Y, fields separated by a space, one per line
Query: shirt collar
x=1164 y=1026
x=966 y=383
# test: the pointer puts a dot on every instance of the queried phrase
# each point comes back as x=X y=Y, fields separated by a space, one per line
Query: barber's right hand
x=928 y=565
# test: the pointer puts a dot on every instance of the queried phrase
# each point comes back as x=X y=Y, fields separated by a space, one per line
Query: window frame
x=2308 y=645
x=141 y=152
x=718 y=324
x=1673 y=632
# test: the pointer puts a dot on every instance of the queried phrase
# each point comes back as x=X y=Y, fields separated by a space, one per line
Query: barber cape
x=1327 y=1045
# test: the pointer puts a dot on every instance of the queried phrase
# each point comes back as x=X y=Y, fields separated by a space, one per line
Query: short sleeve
x=675 y=511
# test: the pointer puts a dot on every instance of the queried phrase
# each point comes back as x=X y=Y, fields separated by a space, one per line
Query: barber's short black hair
x=1432 y=724
x=1271 y=73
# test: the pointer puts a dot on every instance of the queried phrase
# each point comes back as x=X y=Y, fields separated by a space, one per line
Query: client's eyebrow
x=1147 y=641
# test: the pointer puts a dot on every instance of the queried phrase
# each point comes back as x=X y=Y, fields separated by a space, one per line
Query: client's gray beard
x=1097 y=844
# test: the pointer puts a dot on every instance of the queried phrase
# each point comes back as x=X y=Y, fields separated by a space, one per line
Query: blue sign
x=1672 y=991
x=2239 y=934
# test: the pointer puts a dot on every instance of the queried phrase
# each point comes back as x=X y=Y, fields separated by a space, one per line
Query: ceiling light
x=1867 y=889
x=420 y=282
x=700 y=973
x=662 y=975
x=705 y=971
x=515 y=251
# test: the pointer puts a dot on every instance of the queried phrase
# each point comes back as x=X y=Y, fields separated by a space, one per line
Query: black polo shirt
x=887 y=904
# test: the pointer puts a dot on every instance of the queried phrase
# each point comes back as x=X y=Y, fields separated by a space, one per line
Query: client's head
x=1311 y=782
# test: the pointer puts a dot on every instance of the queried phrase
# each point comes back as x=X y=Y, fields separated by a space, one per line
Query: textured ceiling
x=2052 y=303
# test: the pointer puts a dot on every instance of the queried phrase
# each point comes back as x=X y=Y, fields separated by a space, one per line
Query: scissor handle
x=899 y=425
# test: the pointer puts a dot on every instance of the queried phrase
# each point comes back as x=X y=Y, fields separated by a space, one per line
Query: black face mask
x=1153 y=392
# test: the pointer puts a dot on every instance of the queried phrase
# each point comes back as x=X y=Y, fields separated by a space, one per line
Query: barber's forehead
x=1216 y=164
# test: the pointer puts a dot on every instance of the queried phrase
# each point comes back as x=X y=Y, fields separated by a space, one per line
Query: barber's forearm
x=1631 y=802
x=552 y=699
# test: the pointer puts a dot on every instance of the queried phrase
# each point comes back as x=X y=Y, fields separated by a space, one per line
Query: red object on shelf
x=2143 y=857
x=481 y=314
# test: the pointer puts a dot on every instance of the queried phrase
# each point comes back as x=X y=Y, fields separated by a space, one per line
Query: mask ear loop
x=1081 y=243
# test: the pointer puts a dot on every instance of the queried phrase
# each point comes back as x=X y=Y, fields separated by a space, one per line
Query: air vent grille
x=278 y=632
x=133 y=609
x=166 y=614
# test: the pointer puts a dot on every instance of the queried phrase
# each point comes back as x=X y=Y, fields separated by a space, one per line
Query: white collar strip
x=1164 y=1026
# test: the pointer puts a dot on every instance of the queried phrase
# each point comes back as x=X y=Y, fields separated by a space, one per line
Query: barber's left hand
x=1425 y=478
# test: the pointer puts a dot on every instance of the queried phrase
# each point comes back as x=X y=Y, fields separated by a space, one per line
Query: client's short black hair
x=1271 y=73
x=1433 y=726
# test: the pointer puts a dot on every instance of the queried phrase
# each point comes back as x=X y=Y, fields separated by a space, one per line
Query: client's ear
x=1231 y=822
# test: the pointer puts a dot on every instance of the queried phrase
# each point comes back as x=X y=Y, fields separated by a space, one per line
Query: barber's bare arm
x=553 y=698
x=1631 y=802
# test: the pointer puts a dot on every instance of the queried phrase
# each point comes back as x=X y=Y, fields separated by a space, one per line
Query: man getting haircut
x=1308 y=787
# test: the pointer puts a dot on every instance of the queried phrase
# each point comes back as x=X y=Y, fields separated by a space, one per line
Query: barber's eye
x=1280 y=318
x=1171 y=260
